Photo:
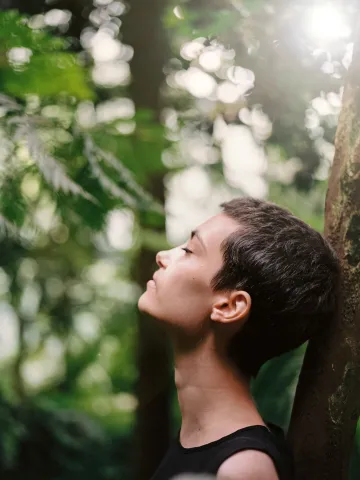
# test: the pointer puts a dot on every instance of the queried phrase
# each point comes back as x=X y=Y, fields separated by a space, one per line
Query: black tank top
x=208 y=458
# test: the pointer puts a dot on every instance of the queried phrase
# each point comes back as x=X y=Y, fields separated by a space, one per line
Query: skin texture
x=248 y=465
x=214 y=397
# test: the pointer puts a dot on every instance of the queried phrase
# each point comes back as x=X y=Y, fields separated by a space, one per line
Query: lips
x=151 y=283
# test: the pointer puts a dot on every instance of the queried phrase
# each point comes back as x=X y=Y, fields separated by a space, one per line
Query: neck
x=214 y=398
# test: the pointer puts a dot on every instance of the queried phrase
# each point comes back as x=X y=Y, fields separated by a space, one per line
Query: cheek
x=185 y=296
x=182 y=298
x=190 y=282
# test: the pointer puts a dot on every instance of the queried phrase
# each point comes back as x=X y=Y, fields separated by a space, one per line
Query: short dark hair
x=291 y=273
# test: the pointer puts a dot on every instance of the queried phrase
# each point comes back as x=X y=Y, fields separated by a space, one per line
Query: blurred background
x=123 y=126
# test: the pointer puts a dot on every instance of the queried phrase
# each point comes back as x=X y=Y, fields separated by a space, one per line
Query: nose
x=161 y=259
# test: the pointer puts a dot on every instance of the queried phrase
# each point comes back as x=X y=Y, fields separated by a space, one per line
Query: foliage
x=75 y=445
x=43 y=138
x=49 y=70
x=74 y=153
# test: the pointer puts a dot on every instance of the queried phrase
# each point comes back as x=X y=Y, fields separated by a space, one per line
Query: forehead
x=216 y=229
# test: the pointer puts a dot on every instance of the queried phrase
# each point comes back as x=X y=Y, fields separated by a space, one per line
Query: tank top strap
x=256 y=438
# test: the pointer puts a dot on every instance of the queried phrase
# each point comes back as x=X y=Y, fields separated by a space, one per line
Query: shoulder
x=248 y=465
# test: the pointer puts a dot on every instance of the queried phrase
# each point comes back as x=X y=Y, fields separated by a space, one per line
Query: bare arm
x=248 y=465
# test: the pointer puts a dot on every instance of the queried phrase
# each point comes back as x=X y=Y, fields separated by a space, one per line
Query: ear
x=231 y=307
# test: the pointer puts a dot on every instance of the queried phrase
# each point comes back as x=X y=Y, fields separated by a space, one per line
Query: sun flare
x=327 y=23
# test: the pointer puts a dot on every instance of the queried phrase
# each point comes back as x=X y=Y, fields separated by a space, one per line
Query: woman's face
x=181 y=295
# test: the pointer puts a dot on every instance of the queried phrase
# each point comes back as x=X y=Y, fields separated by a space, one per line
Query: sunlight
x=178 y=12
x=111 y=74
x=120 y=224
x=111 y=110
x=56 y=17
x=87 y=325
x=19 y=55
x=195 y=183
x=227 y=92
x=191 y=50
x=104 y=48
x=9 y=330
x=326 y=23
x=197 y=82
x=210 y=60
x=100 y=273
x=46 y=365
x=245 y=162
x=124 y=401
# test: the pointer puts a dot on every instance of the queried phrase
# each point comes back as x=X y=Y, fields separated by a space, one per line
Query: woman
x=251 y=283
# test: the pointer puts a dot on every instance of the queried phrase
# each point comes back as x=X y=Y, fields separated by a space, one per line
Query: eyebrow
x=195 y=233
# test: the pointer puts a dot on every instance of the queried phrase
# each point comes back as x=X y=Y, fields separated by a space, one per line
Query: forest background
x=122 y=127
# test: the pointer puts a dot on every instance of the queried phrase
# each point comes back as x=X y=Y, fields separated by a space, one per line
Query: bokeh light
x=327 y=23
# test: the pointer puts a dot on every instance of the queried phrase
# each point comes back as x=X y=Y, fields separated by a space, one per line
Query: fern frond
x=93 y=152
x=11 y=231
x=9 y=103
x=53 y=172
x=8 y=229
x=104 y=180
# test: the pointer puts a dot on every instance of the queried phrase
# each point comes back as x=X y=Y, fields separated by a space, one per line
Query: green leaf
x=14 y=32
x=49 y=71
x=48 y=75
x=13 y=204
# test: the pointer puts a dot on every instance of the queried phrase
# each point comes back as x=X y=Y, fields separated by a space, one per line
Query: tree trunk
x=327 y=400
x=143 y=30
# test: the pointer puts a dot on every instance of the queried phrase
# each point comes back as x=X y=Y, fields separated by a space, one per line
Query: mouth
x=151 y=284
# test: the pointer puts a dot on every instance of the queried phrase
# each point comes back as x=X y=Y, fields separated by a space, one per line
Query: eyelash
x=186 y=250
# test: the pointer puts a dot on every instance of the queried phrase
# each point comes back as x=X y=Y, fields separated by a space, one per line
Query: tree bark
x=143 y=30
x=327 y=400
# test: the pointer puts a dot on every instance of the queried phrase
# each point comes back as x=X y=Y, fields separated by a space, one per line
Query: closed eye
x=186 y=250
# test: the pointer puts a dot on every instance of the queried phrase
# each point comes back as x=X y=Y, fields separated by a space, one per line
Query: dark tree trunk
x=327 y=401
x=143 y=30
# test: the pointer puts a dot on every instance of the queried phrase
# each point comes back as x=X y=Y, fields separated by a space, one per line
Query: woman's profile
x=251 y=283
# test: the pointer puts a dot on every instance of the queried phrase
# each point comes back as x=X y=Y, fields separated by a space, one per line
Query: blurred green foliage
x=50 y=70
x=68 y=163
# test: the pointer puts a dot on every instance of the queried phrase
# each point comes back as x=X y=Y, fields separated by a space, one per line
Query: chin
x=142 y=303
x=147 y=306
